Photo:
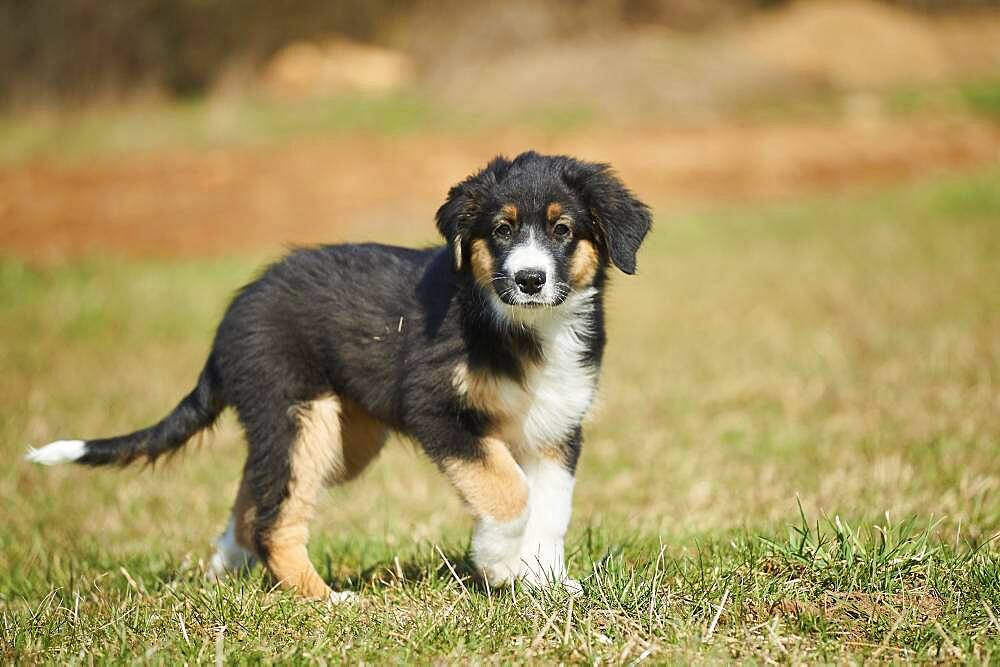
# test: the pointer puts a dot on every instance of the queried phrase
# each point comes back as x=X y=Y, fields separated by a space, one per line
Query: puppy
x=485 y=351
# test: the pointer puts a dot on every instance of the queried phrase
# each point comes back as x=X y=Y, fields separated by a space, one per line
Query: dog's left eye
x=561 y=230
x=503 y=230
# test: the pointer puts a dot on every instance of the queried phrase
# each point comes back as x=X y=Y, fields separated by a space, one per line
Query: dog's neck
x=507 y=337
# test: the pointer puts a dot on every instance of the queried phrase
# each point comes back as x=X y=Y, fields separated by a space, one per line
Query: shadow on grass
x=455 y=566
x=386 y=573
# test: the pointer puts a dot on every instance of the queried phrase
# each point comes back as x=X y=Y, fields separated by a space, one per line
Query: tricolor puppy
x=485 y=351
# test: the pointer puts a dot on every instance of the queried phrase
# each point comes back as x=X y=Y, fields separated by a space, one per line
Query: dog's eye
x=561 y=230
x=503 y=230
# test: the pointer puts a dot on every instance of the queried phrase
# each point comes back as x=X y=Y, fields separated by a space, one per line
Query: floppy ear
x=622 y=220
x=465 y=200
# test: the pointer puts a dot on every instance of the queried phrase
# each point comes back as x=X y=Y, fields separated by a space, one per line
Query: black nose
x=530 y=280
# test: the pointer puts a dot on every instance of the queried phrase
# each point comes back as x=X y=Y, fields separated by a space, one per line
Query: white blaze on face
x=531 y=256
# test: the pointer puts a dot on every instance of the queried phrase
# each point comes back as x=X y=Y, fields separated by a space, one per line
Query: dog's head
x=537 y=228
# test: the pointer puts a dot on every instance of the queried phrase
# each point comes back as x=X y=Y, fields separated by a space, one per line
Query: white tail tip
x=60 y=451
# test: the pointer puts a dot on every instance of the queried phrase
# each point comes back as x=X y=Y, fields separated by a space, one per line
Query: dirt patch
x=496 y=59
x=332 y=67
x=340 y=188
x=629 y=74
x=863 y=44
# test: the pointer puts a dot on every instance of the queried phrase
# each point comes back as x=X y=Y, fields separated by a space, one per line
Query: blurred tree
x=73 y=51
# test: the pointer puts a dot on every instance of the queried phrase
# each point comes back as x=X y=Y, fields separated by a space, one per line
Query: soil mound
x=860 y=44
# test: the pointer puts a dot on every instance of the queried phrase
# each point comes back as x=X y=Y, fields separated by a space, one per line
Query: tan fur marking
x=501 y=398
x=482 y=263
x=493 y=486
x=509 y=211
x=363 y=437
x=583 y=266
x=288 y=561
x=317 y=456
x=557 y=454
x=554 y=211
x=481 y=391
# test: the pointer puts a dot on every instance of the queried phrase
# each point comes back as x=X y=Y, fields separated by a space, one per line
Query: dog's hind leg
x=328 y=441
x=234 y=548
x=293 y=454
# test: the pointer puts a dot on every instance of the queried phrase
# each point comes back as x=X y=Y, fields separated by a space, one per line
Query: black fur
x=621 y=220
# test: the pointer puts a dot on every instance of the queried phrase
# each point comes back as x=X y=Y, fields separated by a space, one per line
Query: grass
x=794 y=459
x=204 y=122
x=980 y=97
x=974 y=98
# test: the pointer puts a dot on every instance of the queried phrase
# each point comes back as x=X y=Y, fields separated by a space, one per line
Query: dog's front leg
x=550 y=480
x=495 y=489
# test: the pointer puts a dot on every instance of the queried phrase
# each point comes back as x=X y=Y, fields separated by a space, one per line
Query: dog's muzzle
x=530 y=281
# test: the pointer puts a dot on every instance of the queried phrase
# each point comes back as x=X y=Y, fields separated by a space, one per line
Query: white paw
x=496 y=550
x=221 y=566
x=342 y=597
x=501 y=574
x=229 y=556
x=217 y=570
x=572 y=586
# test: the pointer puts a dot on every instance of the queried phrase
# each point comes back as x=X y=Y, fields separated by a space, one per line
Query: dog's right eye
x=503 y=230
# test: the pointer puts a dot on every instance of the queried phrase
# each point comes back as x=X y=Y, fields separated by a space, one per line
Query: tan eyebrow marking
x=554 y=211
x=509 y=211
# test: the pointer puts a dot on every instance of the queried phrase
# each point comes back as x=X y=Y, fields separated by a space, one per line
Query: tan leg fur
x=336 y=441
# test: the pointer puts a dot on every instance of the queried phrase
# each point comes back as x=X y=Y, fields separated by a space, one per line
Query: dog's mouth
x=513 y=301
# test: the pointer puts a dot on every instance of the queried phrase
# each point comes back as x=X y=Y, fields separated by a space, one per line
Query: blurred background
x=155 y=126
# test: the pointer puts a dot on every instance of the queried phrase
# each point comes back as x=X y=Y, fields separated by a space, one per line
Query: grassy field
x=796 y=456
x=203 y=123
x=207 y=123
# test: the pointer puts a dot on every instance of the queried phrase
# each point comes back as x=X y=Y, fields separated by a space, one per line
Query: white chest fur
x=553 y=397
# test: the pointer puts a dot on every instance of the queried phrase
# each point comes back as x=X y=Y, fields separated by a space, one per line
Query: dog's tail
x=196 y=412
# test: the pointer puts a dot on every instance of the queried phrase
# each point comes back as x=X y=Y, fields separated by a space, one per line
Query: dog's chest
x=558 y=393
x=546 y=406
